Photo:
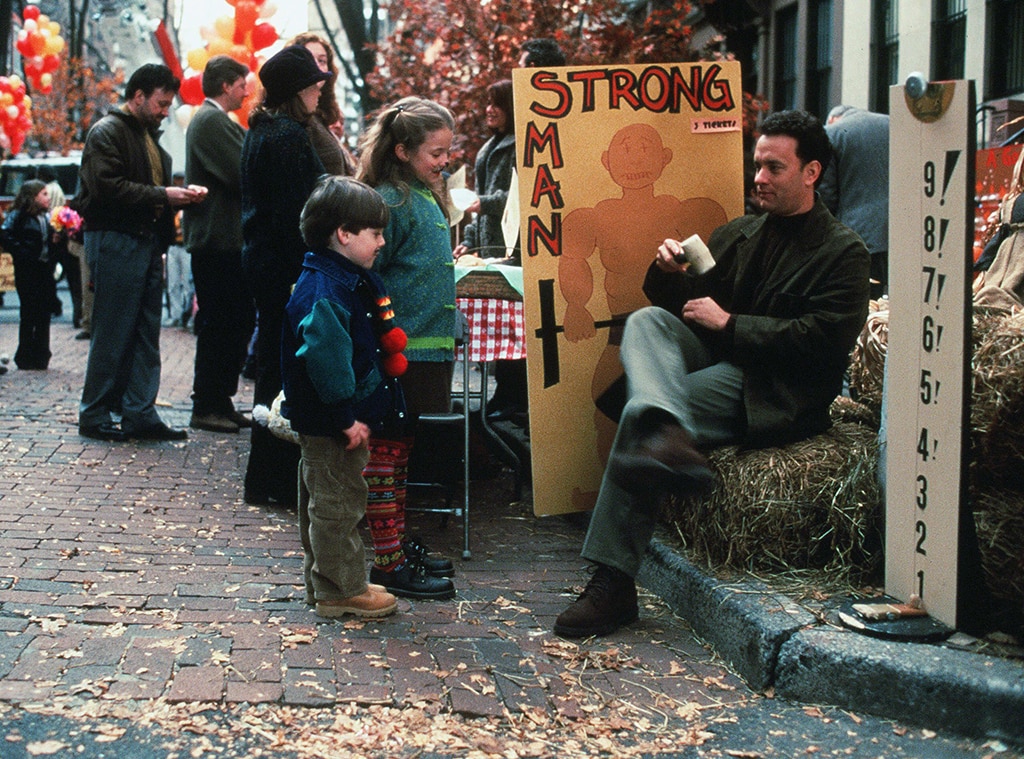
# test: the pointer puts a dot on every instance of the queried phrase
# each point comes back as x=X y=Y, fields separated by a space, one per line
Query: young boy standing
x=340 y=388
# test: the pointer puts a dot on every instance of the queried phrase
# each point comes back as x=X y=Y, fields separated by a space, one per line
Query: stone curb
x=773 y=643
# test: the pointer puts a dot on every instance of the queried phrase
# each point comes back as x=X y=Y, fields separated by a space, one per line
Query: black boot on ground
x=435 y=564
x=606 y=604
x=411 y=580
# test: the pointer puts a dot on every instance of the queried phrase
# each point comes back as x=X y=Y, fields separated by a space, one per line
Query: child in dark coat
x=341 y=354
x=27 y=235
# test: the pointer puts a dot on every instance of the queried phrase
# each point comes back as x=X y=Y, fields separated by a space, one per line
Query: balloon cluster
x=240 y=37
x=15 y=113
x=40 y=45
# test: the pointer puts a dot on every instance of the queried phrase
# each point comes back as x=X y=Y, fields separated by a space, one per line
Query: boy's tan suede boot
x=370 y=603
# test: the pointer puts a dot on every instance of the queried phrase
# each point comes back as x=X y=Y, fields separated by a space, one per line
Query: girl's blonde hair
x=408 y=122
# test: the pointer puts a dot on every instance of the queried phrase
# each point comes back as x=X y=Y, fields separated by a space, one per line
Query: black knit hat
x=289 y=72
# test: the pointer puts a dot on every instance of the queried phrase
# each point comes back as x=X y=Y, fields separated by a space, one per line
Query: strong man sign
x=611 y=161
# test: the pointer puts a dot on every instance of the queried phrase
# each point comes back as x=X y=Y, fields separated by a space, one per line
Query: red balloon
x=191 y=91
x=31 y=11
x=23 y=45
x=51 y=63
x=32 y=66
x=263 y=35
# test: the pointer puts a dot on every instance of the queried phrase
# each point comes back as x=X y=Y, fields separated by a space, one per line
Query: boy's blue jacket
x=331 y=355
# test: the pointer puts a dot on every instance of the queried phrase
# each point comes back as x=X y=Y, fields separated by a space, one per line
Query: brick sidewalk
x=135 y=571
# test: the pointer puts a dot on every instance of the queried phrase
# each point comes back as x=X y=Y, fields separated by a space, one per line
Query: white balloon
x=183 y=115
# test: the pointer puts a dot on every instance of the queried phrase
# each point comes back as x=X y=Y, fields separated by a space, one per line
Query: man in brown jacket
x=128 y=208
x=751 y=351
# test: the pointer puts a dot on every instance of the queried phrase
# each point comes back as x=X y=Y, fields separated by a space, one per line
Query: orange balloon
x=54 y=45
x=36 y=43
x=246 y=15
x=225 y=27
x=219 y=46
x=198 y=58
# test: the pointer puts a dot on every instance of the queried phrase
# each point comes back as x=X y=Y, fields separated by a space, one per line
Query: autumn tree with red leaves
x=61 y=118
x=451 y=50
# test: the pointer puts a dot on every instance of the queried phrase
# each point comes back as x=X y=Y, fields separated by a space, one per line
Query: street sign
x=931 y=186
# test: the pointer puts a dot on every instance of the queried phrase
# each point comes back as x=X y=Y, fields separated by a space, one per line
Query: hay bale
x=867 y=362
x=999 y=522
x=845 y=409
x=997 y=391
x=997 y=400
x=813 y=504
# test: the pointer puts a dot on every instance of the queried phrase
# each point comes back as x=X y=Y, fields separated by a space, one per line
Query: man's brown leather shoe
x=606 y=604
x=666 y=459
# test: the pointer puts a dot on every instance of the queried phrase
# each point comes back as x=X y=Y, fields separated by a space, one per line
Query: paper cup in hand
x=697 y=253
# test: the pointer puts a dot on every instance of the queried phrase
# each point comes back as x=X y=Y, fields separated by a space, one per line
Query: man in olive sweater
x=213 y=237
x=751 y=351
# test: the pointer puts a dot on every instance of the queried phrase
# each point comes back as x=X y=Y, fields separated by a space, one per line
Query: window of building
x=949 y=39
x=1005 y=66
x=786 y=49
x=885 y=52
x=819 y=48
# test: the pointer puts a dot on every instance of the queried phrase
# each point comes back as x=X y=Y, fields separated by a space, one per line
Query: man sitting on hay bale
x=752 y=351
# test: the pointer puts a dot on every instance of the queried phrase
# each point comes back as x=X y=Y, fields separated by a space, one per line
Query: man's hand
x=707 y=313
x=358 y=436
x=666 y=258
x=185 y=196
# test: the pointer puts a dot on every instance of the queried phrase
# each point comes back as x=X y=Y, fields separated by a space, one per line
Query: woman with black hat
x=279 y=170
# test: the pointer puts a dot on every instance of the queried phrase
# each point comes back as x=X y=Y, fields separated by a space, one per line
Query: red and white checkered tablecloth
x=496 y=328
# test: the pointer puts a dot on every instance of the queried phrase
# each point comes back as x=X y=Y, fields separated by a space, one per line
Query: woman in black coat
x=279 y=170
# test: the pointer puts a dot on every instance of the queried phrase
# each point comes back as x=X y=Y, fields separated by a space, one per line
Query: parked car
x=15 y=171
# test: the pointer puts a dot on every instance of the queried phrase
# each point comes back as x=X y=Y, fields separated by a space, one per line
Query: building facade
x=815 y=54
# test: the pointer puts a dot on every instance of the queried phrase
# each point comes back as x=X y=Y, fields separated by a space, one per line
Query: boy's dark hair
x=542 y=51
x=150 y=77
x=812 y=143
x=340 y=202
x=221 y=70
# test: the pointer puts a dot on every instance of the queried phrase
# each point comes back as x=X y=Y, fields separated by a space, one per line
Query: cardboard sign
x=931 y=235
x=6 y=272
x=611 y=161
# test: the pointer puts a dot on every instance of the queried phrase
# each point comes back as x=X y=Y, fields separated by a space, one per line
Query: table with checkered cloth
x=496 y=328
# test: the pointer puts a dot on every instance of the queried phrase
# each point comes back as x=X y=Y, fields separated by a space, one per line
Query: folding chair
x=450 y=421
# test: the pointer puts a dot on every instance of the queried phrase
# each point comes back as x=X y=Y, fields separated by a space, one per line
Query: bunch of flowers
x=64 y=218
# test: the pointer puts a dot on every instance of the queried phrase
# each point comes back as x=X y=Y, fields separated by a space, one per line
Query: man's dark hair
x=543 y=51
x=340 y=203
x=150 y=77
x=221 y=70
x=812 y=142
